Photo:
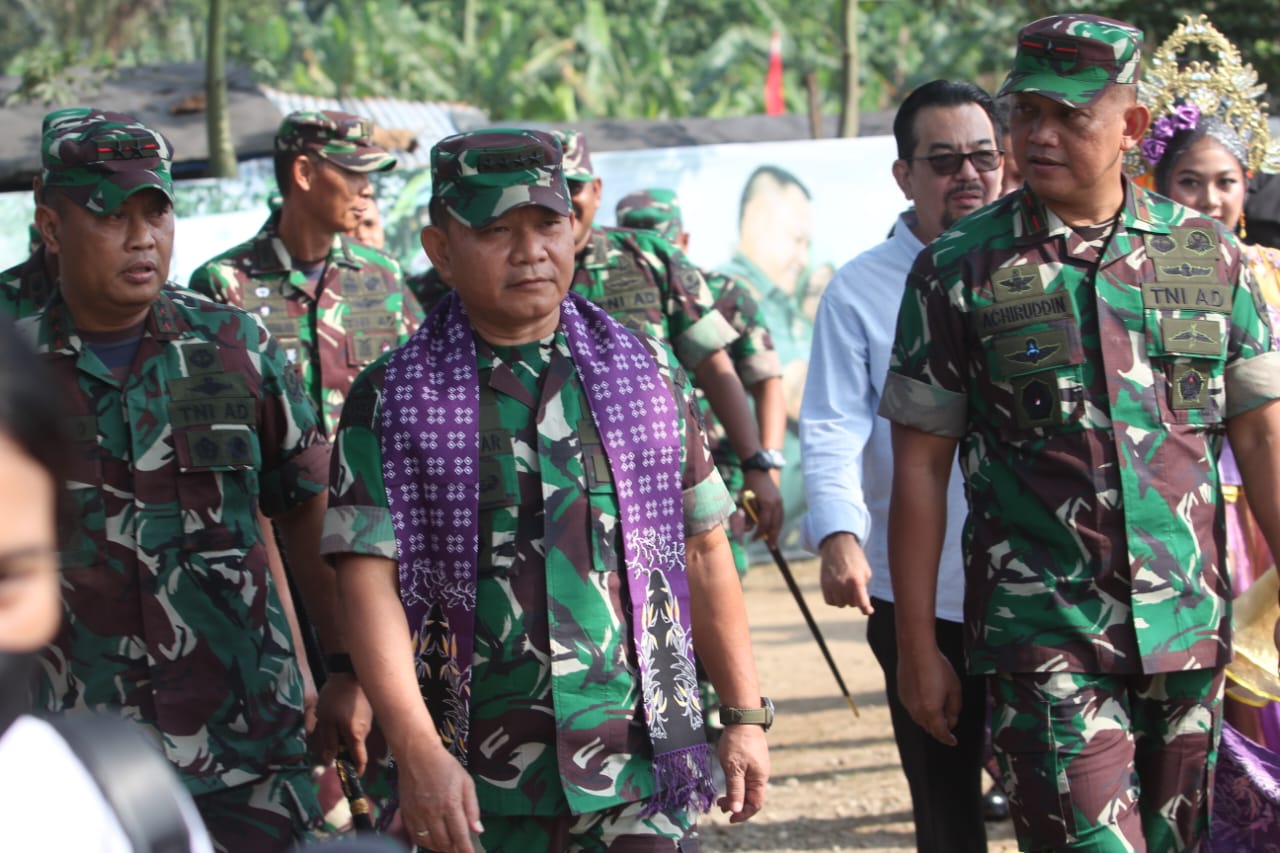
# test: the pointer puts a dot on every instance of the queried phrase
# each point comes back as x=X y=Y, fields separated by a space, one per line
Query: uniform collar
x=271 y=256
x=57 y=332
x=1035 y=222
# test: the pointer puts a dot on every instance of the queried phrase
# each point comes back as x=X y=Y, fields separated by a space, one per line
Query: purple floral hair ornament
x=1183 y=117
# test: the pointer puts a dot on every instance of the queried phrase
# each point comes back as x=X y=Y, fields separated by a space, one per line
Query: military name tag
x=1017 y=354
x=1187 y=297
x=208 y=385
x=1023 y=312
x=1013 y=283
x=231 y=410
x=1189 y=387
x=1191 y=337
x=368 y=319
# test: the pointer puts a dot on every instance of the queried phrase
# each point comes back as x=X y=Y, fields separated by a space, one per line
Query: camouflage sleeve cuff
x=363 y=530
x=758 y=367
x=300 y=478
x=1252 y=382
x=922 y=406
x=707 y=505
x=704 y=337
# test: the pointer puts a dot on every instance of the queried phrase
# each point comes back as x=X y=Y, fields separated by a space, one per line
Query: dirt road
x=836 y=780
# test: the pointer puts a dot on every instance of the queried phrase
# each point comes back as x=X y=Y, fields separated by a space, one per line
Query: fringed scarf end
x=683 y=781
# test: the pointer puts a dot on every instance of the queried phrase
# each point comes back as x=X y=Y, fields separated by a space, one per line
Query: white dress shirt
x=845 y=446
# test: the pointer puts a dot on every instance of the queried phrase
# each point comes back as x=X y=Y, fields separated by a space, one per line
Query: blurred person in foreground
x=1088 y=384
x=39 y=757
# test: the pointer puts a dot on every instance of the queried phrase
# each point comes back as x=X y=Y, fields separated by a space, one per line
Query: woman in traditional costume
x=1208 y=135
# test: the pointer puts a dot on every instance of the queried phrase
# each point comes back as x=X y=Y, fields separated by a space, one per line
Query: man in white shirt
x=949 y=165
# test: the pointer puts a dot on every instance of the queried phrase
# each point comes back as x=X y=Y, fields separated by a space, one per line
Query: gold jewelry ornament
x=1225 y=89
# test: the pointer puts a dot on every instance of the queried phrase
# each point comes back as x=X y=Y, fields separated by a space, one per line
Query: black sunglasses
x=986 y=160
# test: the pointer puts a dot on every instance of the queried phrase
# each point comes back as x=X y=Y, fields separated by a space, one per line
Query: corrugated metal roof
x=428 y=121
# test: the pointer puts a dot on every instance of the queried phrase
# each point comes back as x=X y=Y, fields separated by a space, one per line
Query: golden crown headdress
x=1179 y=91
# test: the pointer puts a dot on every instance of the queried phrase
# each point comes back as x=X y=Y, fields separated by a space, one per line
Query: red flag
x=773 y=103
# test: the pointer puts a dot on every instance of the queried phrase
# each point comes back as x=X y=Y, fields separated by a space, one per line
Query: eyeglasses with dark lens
x=986 y=160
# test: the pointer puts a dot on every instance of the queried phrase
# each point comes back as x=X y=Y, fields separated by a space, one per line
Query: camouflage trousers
x=1107 y=763
x=620 y=829
x=267 y=816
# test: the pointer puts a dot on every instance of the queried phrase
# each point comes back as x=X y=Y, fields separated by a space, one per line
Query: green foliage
x=529 y=59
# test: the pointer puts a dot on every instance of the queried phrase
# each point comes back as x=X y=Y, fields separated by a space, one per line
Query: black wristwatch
x=764 y=460
x=762 y=716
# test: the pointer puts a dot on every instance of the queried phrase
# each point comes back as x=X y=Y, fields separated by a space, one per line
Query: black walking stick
x=749 y=507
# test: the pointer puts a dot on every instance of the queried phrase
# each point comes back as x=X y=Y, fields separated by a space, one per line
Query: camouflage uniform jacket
x=648 y=285
x=556 y=721
x=753 y=355
x=25 y=288
x=171 y=616
x=332 y=329
x=1088 y=389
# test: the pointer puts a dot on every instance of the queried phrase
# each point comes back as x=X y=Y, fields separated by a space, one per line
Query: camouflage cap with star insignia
x=652 y=210
x=1072 y=59
x=343 y=139
x=577 y=156
x=97 y=158
x=480 y=175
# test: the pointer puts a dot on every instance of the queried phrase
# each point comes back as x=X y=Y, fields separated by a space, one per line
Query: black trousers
x=945 y=781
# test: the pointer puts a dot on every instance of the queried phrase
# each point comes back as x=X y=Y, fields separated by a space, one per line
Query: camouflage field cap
x=1072 y=58
x=480 y=175
x=98 y=158
x=343 y=139
x=652 y=210
x=577 y=156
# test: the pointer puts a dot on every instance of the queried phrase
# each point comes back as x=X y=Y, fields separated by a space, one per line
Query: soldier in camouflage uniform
x=26 y=287
x=333 y=304
x=1087 y=344
x=186 y=418
x=650 y=286
x=498 y=555
x=752 y=353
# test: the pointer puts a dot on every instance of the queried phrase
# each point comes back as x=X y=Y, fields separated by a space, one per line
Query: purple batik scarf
x=431 y=452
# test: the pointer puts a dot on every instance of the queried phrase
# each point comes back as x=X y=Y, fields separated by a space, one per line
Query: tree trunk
x=849 y=92
x=222 y=154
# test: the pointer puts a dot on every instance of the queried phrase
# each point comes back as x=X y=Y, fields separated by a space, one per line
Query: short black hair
x=937 y=93
x=283 y=162
x=768 y=174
